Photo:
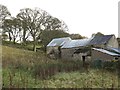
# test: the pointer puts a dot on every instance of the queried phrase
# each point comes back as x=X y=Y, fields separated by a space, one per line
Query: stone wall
x=53 y=52
x=67 y=53
x=118 y=39
x=97 y=55
x=112 y=42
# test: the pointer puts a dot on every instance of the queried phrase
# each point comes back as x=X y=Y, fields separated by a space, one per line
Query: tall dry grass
x=23 y=68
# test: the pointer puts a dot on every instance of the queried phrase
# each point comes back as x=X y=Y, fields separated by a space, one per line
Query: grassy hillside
x=23 y=68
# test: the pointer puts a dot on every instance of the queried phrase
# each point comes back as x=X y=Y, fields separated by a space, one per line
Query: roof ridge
x=62 y=37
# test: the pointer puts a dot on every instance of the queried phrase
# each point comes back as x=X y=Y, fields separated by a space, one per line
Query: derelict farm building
x=105 y=55
x=105 y=48
x=54 y=47
x=76 y=49
x=118 y=42
x=104 y=41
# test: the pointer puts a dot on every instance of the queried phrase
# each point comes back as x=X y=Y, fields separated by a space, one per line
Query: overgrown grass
x=91 y=79
x=26 y=46
x=23 y=68
x=19 y=79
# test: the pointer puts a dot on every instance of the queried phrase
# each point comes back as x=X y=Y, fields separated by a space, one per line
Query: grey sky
x=82 y=16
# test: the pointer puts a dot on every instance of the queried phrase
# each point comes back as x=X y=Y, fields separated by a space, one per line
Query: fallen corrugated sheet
x=106 y=51
x=117 y=50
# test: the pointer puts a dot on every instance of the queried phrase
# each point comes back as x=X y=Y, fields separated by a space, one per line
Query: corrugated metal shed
x=106 y=51
x=100 y=39
x=76 y=43
x=59 y=41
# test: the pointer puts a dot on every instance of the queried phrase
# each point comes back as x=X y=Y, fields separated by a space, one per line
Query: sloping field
x=27 y=69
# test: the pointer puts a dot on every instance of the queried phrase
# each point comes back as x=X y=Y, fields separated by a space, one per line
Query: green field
x=27 y=69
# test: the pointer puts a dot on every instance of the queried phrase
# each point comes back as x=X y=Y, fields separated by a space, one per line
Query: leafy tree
x=4 y=36
x=7 y=27
x=76 y=36
x=33 y=21
x=48 y=35
x=64 y=26
x=16 y=29
x=25 y=21
x=54 y=28
x=13 y=28
x=53 y=23
x=97 y=34
x=3 y=14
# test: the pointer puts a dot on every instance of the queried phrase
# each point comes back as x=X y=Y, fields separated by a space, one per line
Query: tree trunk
x=34 y=44
x=34 y=47
x=24 y=33
x=14 y=40
x=10 y=38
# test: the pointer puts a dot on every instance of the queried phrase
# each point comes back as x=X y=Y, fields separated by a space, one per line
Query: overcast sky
x=81 y=16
